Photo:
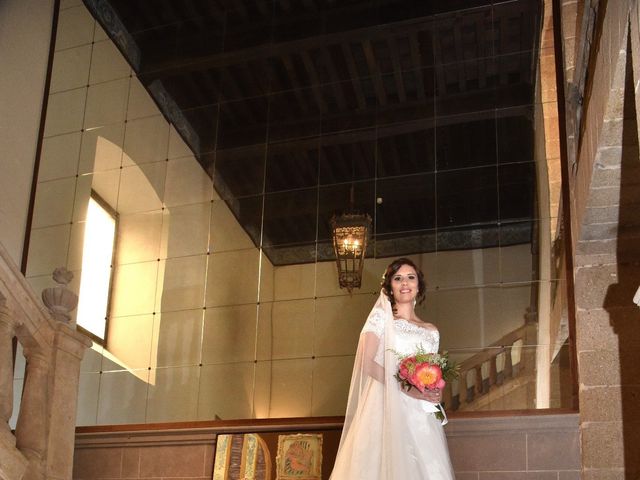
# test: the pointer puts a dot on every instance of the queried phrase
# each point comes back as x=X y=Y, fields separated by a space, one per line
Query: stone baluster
x=493 y=371
x=6 y=372
x=484 y=371
x=508 y=364
x=500 y=359
x=478 y=370
x=12 y=463
x=462 y=388
x=32 y=431
x=447 y=395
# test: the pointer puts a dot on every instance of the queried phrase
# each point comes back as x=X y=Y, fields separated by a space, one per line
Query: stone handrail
x=485 y=369
x=42 y=445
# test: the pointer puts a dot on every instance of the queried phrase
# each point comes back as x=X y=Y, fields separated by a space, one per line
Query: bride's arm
x=370 y=366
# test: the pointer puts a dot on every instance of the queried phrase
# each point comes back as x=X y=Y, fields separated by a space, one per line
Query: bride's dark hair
x=392 y=269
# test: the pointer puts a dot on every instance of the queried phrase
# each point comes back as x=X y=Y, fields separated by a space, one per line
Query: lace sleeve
x=375 y=323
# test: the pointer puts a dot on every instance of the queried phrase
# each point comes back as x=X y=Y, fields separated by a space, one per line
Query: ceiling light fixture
x=350 y=238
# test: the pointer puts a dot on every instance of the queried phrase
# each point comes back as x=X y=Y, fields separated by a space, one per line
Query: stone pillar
x=69 y=348
x=547 y=156
x=549 y=152
x=32 y=431
x=571 y=28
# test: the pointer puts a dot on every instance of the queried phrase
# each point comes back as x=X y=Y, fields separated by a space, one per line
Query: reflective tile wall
x=224 y=299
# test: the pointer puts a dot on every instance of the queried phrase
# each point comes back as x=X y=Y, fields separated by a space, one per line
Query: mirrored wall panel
x=223 y=136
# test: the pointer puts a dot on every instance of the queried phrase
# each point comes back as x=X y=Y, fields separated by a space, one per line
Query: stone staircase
x=41 y=447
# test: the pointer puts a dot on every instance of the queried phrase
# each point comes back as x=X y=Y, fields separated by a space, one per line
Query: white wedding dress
x=389 y=435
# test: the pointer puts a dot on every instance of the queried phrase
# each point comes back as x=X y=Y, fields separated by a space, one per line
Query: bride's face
x=404 y=284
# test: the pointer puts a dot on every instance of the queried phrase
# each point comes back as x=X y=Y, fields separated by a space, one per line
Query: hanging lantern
x=350 y=237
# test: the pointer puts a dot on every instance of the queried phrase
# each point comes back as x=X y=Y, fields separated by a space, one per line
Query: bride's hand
x=433 y=396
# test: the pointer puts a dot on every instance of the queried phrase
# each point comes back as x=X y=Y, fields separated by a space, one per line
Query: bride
x=389 y=433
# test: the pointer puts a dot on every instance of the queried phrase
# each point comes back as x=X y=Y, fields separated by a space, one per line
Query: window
x=97 y=258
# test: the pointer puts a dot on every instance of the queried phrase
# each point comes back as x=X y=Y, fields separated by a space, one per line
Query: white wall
x=25 y=31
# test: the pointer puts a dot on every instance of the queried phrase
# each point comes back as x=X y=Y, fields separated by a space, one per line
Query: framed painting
x=299 y=457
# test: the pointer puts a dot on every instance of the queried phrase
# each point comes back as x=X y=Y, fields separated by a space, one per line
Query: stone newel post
x=68 y=349
x=43 y=444
x=46 y=425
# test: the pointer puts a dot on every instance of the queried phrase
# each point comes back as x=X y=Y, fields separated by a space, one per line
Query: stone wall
x=541 y=447
x=605 y=197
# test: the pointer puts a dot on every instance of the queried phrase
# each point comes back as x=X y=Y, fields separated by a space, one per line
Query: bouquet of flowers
x=426 y=371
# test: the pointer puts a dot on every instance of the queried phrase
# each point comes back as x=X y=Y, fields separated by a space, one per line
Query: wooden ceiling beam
x=218 y=60
x=295 y=82
x=214 y=85
x=439 y=68
x=335 y=81
x=501 y=25
x=413 y=154
x=374 y=133
x=315 y=82
x=481 y=40
x=239 y=107
x=374 y=71
x=397 y=70
x=415 y=57
x=361 y=156
x=391 y=152
x=396 y=114
x=353 y=74
x=346 y=165
x=458 y=46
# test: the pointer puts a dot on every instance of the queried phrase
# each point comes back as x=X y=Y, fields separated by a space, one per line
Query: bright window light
x=97 y=255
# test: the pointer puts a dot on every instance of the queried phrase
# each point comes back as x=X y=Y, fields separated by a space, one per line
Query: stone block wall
x=541 y=447
x=606 y=196
x=145 y=462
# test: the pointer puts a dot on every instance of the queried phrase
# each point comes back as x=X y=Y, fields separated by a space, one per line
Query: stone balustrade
x=42 y=445
x=494 y=365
